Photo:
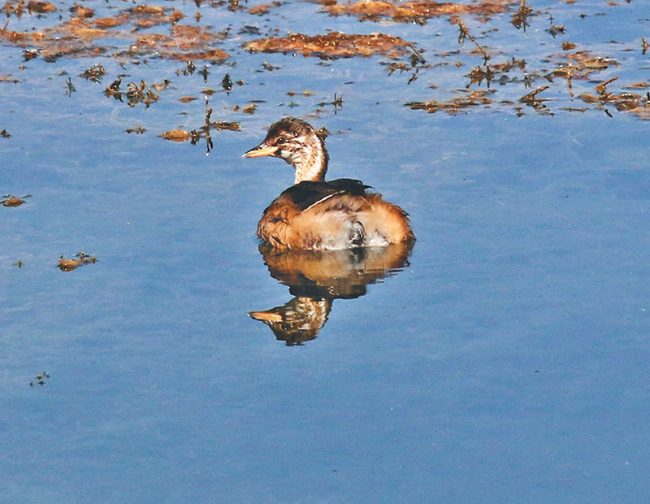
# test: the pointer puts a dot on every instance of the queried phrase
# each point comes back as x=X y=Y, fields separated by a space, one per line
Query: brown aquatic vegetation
x=415 y=10
x=33 y=7
x=226 y=126
x=623 y=102
x=82 y=12
x=177 y=135
x=260 y=10
x=141 y=31
x=80 y=259
x=185 y=43
x=94 y=73
x=455 y=105
x=532 y=100
x=67 y=39
x=147 y=16
x=75 y=36
x=141 y=16
x=249 y=109
x=135 y=92
x=41 y=7
x=332 y=45
x=520 y=19
x=581 y=64
x=638 y=85
x=8 y=79
x=495 y=71
x=13 y=201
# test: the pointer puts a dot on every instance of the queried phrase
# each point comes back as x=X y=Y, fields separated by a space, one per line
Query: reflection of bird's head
x=316 y=278
x=298 y=144
x=297 y=321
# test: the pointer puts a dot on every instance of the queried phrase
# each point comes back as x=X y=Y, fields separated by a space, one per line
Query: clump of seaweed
x=77 y=35
x=415 y=11
x=455 y=105
x=623 y=102
x=136 y=92
x=10 y=200
x=332 y=45
x=94 y=73
x=80 y=259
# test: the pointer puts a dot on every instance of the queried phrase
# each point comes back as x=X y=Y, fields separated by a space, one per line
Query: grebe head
x=298 y=144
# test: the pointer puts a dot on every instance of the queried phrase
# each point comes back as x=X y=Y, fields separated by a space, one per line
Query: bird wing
x=306 y=195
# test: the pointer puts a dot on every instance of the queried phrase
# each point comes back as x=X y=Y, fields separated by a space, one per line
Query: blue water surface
x=505 y=363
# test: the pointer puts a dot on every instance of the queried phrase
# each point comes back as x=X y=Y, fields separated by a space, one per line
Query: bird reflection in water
x=317 y=278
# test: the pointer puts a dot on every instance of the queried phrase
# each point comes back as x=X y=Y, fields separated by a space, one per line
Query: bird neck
x=313 y=166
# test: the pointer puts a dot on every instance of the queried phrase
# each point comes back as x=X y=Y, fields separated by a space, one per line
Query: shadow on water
x=317 y=278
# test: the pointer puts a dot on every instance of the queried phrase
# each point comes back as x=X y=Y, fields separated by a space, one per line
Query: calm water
x=504 y=361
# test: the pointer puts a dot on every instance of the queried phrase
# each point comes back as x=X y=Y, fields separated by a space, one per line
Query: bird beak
x=266 y=316
x=261 y=150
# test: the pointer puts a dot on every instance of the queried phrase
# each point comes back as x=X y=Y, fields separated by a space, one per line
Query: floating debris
x=337 y=102
x=415 y=11
x=80 y=259
x=556 y=30
x=135 y=93
x=69 y=87
x=94 y=73
x=41 y=7
x=81 y=11
x=140 y=93
x=138 y=130
x=624 y=102
x=269 y=68
x=226 y=125
x=9 y=79
x=176 y=135
x=464 y=33
x=638 y=85
x=226 y=83
x=581 y=65
x=532 y=100
x=30 y=54
x=40 y=379
x=332 y=45
x=455 y=105
x=161 y=86
x=189 y=69
x=186 y=43
x=260 y=10
x=306 y=92
x=521 y=18
x=75 y=36
x=14 y=201
x=249 y=109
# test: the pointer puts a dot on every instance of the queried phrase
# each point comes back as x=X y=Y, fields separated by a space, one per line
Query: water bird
x=314 y=214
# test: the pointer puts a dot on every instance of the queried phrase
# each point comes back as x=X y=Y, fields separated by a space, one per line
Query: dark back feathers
x=307 y=194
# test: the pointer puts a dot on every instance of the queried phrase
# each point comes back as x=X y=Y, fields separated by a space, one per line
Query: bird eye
x=280 y=141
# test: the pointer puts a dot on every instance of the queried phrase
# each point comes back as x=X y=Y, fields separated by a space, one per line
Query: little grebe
x=318 y=215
